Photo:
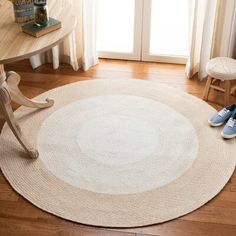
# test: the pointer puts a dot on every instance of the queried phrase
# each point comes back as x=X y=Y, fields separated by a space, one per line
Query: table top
x=16 y=45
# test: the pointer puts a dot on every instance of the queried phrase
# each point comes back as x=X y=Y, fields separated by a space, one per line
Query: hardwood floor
x=18 y=217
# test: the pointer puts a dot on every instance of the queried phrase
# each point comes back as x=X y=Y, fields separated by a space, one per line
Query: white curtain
x=213 y=34
x=90 y=56
x=79 y=48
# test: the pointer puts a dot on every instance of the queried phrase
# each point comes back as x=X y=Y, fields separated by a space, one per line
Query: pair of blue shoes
x=226 y=115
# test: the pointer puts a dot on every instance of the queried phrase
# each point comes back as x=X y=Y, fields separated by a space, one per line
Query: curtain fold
x=90 y=56
x=213 y=34
x=79 y=48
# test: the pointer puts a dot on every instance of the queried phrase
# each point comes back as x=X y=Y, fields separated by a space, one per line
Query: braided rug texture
x=118 y=153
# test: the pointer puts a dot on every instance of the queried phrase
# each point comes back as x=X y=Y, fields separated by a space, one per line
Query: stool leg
x=207 y=88
x=227 y=92
x=233 y=90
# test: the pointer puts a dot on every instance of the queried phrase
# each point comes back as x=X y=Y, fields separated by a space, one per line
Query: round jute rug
x=118 y=153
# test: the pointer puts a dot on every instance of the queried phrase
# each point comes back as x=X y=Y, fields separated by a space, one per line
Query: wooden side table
x=16 y=45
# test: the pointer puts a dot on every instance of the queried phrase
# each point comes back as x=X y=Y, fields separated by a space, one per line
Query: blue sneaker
x=222 y=116
x=229 y=130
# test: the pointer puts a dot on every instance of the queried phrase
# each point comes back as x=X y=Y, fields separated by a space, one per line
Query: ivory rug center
x=117 y=144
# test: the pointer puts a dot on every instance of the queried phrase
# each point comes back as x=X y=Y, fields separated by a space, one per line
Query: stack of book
x=38 y=31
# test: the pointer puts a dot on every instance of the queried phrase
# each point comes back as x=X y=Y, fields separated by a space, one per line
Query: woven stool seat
x=222 y=68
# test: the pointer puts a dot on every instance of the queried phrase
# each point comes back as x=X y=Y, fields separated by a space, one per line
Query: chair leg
x=207 y=88
x=227 y=92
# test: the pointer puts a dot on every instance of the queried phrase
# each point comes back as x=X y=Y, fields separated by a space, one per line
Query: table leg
x=13 y=80
x=5 y=107
x=2 y=74
x=9 y=91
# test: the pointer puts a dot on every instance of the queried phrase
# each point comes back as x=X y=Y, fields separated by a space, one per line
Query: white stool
x=220 y=69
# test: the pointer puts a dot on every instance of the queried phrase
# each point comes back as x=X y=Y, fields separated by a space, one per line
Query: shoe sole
x=214 y=124
x=228 y=136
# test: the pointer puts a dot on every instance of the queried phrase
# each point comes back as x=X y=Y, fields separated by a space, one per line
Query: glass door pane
x=170 y=27
x=117 y=33
x=116 y=25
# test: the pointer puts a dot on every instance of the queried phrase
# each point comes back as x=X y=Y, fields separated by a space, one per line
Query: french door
x=147 y=30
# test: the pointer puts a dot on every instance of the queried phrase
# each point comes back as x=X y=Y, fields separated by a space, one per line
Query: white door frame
x=136 y=54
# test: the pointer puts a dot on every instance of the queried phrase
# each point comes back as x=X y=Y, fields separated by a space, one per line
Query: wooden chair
x=220 y=69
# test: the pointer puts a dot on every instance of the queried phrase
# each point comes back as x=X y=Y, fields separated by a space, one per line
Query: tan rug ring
x=119 y=153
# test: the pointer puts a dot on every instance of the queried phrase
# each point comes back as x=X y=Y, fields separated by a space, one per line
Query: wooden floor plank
x=27 y=211
x=6 y=193
x=78 y=231
x=233 y=183
x=19 y=227
x=2 y=179
x=16 y=227
x=213 y=214
x=186 y=228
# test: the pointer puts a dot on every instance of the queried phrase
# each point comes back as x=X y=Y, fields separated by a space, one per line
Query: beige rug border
x=33 y=181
